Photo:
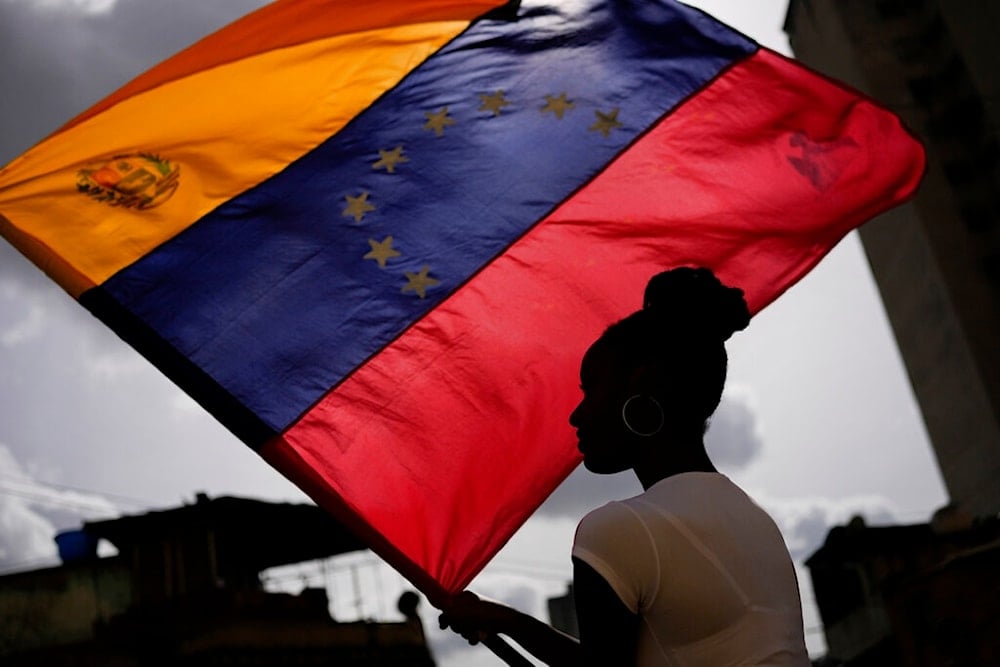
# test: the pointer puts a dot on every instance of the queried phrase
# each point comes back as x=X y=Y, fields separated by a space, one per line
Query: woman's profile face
x=601 y=435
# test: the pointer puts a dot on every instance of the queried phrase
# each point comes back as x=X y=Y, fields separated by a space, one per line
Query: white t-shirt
x=706 y=570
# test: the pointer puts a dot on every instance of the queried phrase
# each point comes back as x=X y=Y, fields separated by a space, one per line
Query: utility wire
x=121 y=499
x=42 y=499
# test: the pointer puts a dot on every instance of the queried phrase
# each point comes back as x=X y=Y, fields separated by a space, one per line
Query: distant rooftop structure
x=185 y=589
x=220 y=542
x=926 y=594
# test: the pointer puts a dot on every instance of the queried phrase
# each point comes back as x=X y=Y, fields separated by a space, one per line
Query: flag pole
x=505 y=652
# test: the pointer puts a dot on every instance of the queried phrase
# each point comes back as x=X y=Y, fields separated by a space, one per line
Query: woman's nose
x=574 y=417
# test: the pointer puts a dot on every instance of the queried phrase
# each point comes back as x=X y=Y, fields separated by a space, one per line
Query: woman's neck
x=671 y=457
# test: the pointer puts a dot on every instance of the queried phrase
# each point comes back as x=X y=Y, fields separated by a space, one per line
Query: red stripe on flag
x=444 y=443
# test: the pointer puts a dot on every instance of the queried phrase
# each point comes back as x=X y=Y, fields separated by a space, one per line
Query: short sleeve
x=615 y=542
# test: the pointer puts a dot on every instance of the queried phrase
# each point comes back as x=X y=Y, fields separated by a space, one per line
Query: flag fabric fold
x=375 y=244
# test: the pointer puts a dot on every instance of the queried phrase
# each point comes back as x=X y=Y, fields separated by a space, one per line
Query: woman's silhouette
x=691 y=571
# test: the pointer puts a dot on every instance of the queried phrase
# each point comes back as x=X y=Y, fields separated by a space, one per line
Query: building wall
x=185 y=590
x=912 y=596
x=937 y=259
x=61 y=605
x=950 y=615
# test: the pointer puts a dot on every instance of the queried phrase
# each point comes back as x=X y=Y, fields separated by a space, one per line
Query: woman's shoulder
x=681 y=497
x=695 y=488
x=611 y=512
x=613 y=521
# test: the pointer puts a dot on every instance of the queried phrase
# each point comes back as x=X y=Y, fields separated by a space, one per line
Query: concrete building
x=910 y=596
x=185 y=589
x=937 y=259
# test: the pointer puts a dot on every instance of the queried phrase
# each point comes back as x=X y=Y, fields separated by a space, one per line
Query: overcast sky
x=818 y=422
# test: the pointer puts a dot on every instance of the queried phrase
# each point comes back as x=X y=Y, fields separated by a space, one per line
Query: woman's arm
x=608 y=630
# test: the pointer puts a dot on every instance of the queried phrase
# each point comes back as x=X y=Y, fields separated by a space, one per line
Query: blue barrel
x=76 y=545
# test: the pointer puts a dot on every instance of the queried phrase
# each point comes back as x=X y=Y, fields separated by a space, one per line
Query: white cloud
x=20 y=325
x=26 y=531
x=26 y=302
x=113 y=365
x=25 y=536
x=733 y=439
x=805 y=521
x=184 y=404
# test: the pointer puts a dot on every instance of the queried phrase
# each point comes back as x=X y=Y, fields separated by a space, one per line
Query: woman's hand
x=480 y=620
x=476 y=619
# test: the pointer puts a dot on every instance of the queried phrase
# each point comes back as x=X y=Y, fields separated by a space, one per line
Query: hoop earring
x=643 y=434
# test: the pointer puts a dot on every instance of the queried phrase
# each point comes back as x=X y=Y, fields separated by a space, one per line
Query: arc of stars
x=358 y=206
x=494 y=102
x=382 y=251
x=438 y=121
x=389 y=159
x=606 y=122
x=557 y=105
x=419 y=282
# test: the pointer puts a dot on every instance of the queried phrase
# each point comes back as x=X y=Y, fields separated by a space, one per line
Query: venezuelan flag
x=374 y=240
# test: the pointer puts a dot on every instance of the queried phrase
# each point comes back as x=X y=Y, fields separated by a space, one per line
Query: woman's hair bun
x=693 y=298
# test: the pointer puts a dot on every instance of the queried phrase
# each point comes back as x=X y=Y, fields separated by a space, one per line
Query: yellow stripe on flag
x=98 y=196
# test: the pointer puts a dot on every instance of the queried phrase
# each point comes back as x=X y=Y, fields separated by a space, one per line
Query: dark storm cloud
x=58 y=60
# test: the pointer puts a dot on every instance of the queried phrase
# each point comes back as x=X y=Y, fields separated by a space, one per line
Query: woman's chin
x=602 y=467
